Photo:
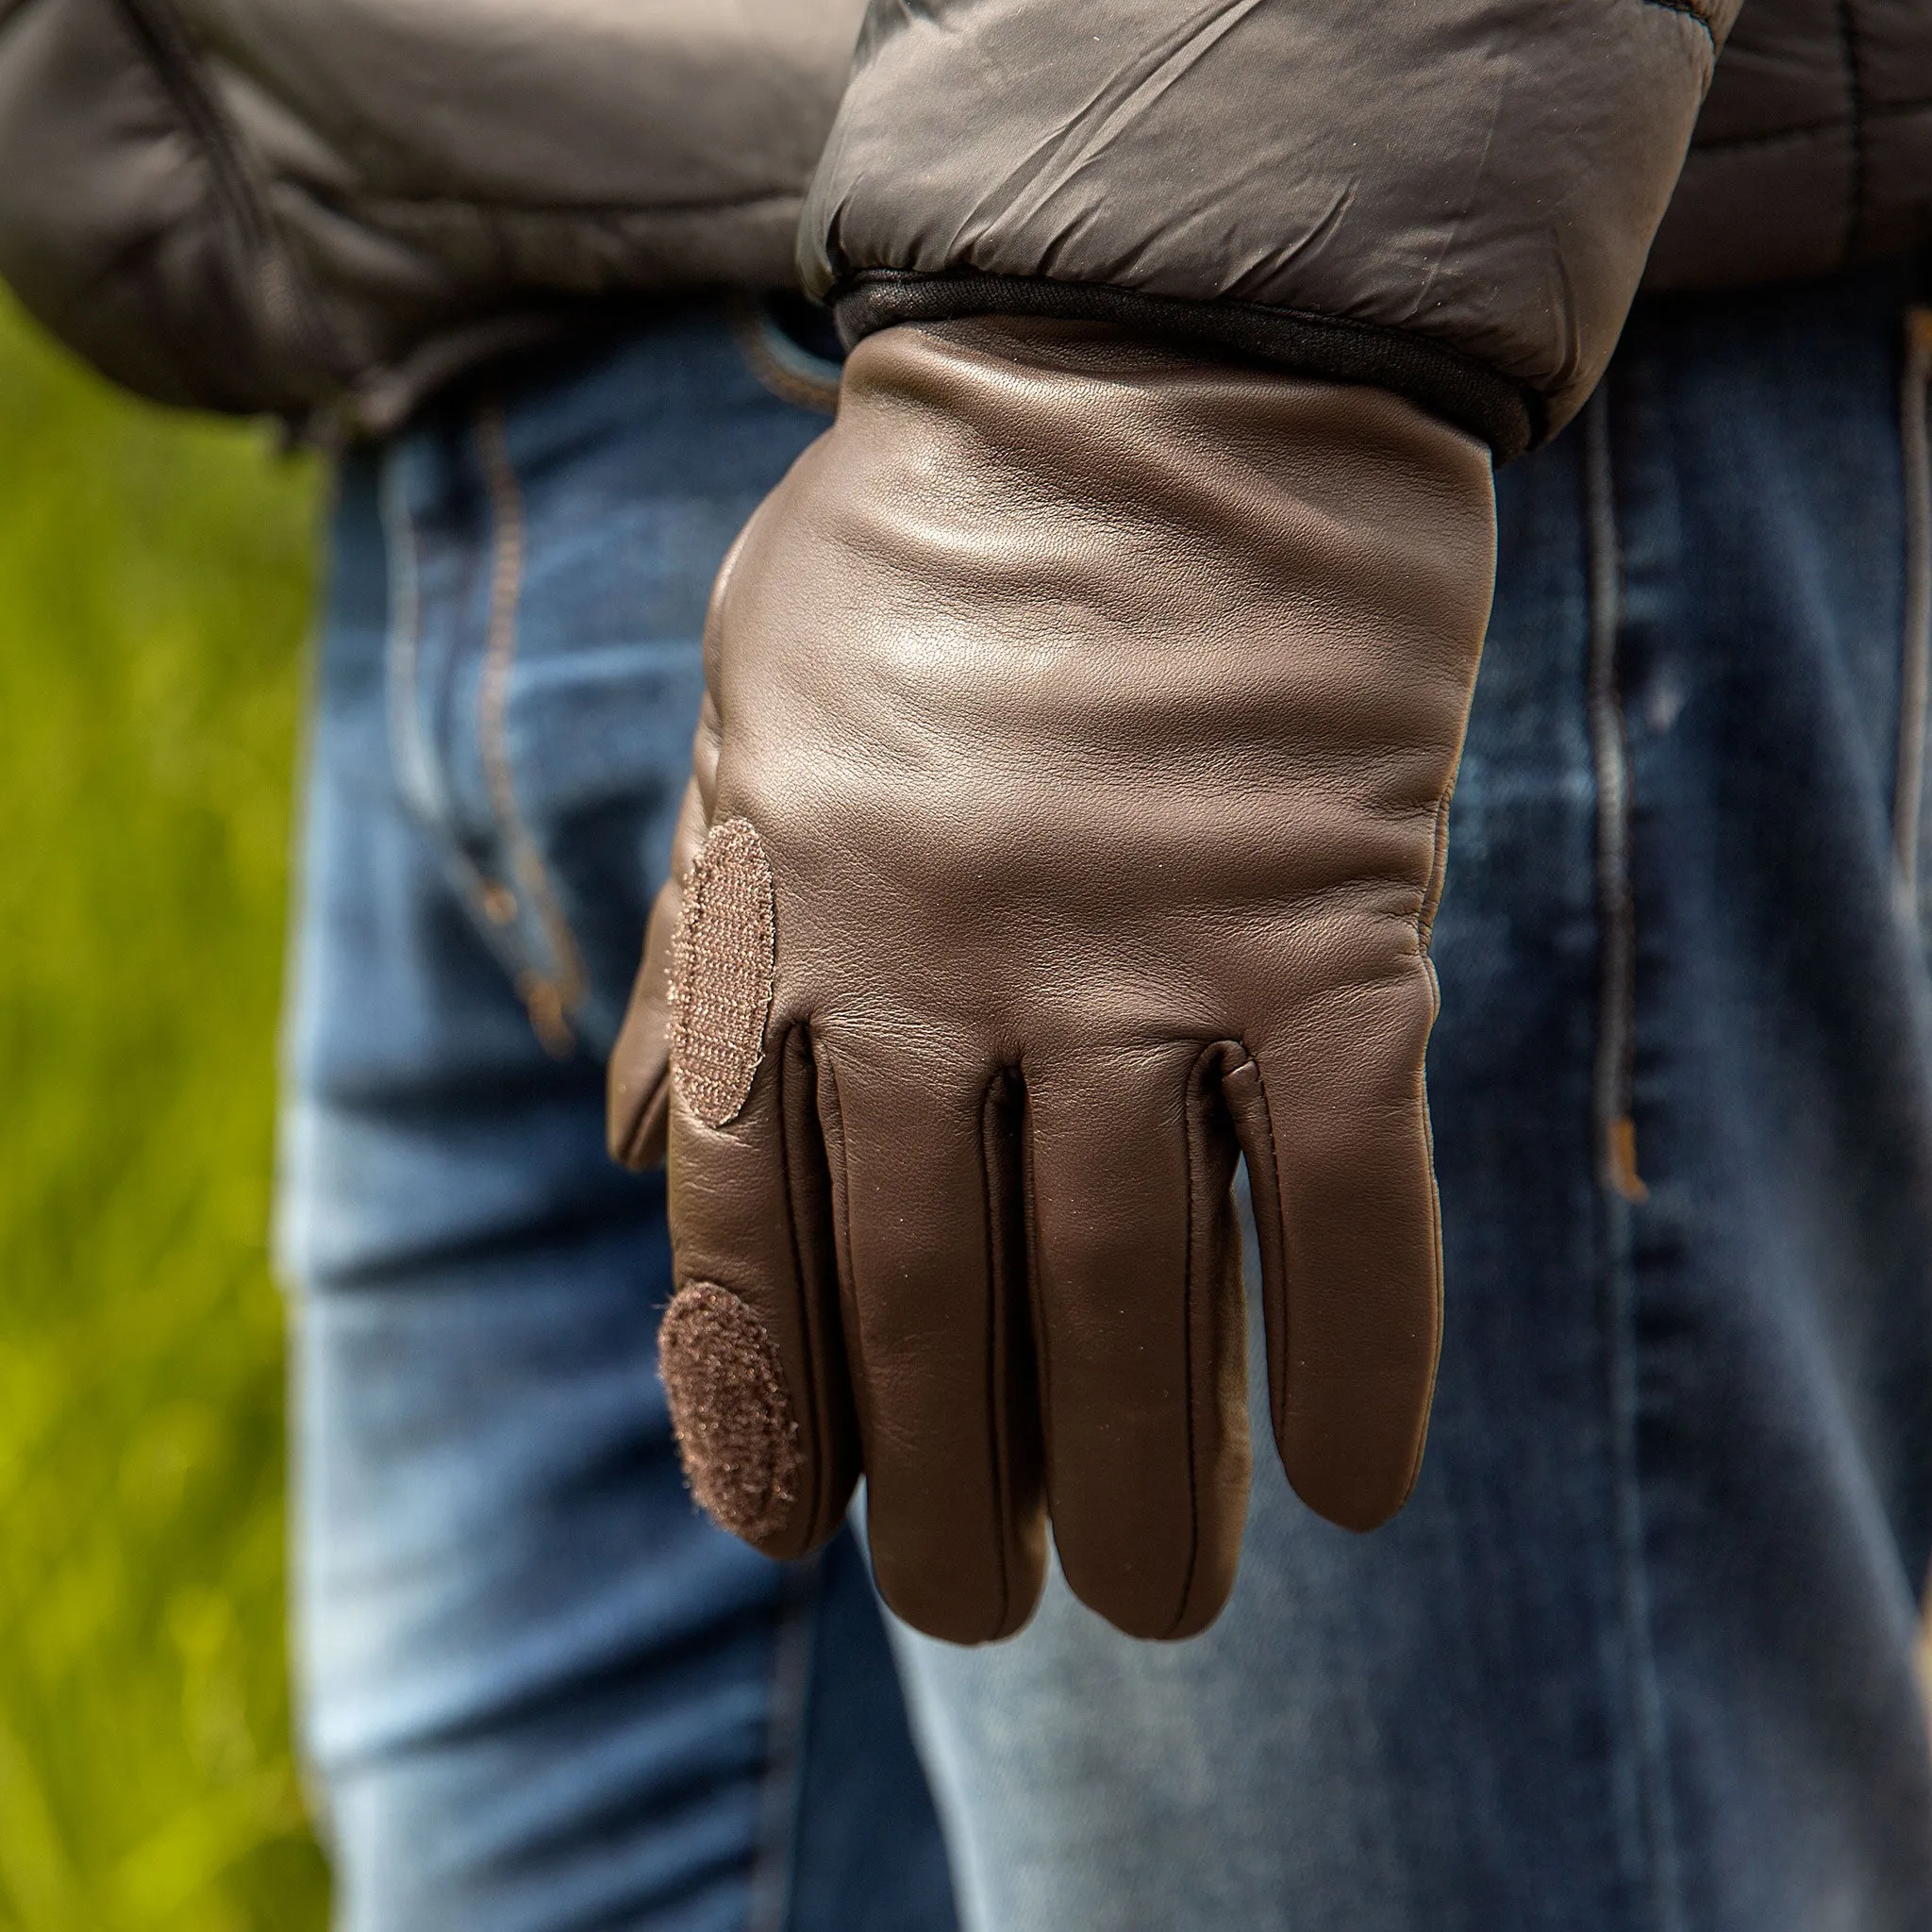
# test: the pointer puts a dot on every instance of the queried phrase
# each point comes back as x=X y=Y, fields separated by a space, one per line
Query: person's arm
x=1451 y=199
x=1069 y=808
x=332 y=213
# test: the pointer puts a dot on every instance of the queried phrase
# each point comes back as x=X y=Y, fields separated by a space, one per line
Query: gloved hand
x=1068 y=813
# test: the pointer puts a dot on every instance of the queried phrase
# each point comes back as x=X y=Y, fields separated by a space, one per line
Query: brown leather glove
x=1068 y=813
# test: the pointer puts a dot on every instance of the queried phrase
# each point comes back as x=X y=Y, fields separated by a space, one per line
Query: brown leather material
x=1097 y=708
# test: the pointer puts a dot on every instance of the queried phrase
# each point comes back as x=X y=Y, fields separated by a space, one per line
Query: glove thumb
x=637 y=1093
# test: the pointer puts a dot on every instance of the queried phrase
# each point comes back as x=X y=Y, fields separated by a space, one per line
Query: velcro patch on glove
x=736 y=1432
x=722 y=967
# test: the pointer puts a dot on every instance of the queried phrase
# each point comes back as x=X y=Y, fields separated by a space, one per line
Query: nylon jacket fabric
x=1814 y=150
x=1483 y=176
x=295 y=207
x=1456 y=203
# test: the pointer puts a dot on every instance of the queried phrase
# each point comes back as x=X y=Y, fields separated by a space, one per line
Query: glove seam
x=815 y=1433
x=1035 y=1311
x=1277 y=1382
x=852 y=1334
x=998 y=1292
x=1196 y=1073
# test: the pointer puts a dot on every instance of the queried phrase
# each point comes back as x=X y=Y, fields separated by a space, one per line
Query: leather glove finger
x=750 y=1349
x=1334 y=1123
x=1096 y=710
x=924 y=1158
x=1137 y=1299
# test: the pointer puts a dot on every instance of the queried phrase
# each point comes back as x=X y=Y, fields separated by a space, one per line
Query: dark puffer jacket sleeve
x=1451 y=198
x=139 y=244
x=328 y=209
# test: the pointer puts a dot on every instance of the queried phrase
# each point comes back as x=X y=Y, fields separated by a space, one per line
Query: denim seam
x=1915 y=643
x=1621 y=1191
x=768 y=1907
x=420 y=773
x=1848 y=36
x=791 y=375
x=1610 y=1084
x=551 y=998
x=416 y=768
x=415 y=771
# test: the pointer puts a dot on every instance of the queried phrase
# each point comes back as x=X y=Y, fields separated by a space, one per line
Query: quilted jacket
x=325 y=208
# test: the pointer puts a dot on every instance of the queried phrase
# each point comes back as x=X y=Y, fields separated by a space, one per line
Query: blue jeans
x=1638 y=1658
x=541 y=1692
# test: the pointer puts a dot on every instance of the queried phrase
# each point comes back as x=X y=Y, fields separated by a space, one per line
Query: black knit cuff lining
x=1505 y=415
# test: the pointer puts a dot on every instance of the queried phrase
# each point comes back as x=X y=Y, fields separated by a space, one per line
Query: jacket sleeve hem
x=1507 y=415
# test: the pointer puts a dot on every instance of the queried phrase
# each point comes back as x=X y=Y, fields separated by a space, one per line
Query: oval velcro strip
x=723 y=963
x=736 y=1432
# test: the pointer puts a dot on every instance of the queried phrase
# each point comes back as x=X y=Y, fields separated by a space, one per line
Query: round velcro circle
x=722 y=967
x=736 y=1432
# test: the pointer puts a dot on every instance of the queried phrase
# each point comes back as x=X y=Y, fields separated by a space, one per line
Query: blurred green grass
x=155 y=573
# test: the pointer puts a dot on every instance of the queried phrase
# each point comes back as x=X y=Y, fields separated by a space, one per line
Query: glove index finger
x=1333 y=1122
x=751 y=1349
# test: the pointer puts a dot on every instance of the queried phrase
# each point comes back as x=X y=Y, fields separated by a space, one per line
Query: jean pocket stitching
x=420 y=776
x=1613 y=1078
x=789 y=371
x=552 y=998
